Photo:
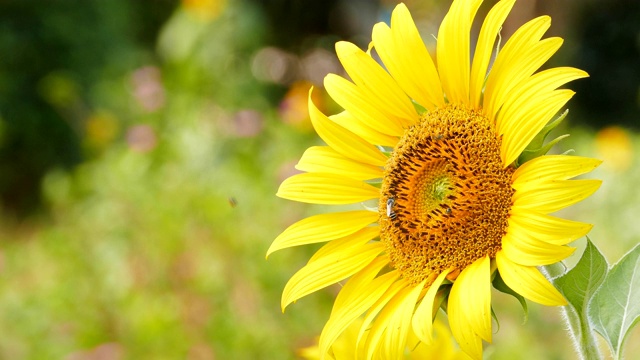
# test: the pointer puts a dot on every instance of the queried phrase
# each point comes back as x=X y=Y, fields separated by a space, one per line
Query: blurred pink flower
x=141 y=138
x=147 y=88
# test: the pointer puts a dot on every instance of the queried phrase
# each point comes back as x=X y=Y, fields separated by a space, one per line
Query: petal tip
x=270 y=251
x=344 y=48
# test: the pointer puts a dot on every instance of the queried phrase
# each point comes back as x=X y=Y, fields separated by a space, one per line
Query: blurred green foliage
x=57 y=60
x=155 y=145
x=145 y=253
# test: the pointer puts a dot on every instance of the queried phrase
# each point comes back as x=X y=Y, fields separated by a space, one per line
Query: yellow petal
x=459 y=321
x=529 y=251
x=326 y=189
x=342 y=140
x=528 y=282
x=422 y=321
x=395 y=307
x=516 y=51
x=484 y=48
x=453 y=50
x=327 y=271
x=359 y=284
x=354 y=299
x=405 y=56
x=323 y=227
x=553 y=195
x=553 y=167
x=347 y=243
x=546 y=227
x=374 y=310
x=382 y=90
x=399 y=322
x=528 y=95
x=323 y=159
x=521 y=126
x=444 y=348
x=528 y=107
x=354 y=100
x=475 y=283
x=358 y=127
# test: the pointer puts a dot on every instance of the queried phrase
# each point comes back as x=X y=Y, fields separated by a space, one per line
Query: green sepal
x=387 y=151
x=442 y=295
x=555 y=270
x=500 y=285
x=532 y=154
x=495 y=317
x=419 y=108
x=537 y=147
x=375 y=182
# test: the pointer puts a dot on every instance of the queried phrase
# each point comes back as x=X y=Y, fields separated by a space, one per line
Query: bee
x=233 y=202
x=390 y=213
x=448 y=211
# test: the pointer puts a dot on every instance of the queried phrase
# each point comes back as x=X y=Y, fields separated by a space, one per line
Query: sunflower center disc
x=446 y=197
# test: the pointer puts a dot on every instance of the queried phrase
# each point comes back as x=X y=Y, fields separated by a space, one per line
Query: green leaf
x=500 y=285
x=615 y=307
x=579 y=285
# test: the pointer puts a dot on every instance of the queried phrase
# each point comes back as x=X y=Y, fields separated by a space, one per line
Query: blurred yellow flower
x=436 y=148
x=101 y=128
x=443 y=347
x=293 y=109
x=205 y=10
x=614 y=146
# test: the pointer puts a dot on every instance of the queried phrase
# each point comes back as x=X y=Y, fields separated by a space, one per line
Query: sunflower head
x=449 y=192
x=464 y=186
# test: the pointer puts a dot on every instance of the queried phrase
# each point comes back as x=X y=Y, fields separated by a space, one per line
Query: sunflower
x=440 y=148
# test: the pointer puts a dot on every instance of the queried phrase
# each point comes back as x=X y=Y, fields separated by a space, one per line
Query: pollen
x=451 y=195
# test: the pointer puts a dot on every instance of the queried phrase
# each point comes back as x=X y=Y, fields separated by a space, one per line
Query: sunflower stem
x=582 y=336
x=576 y=319
x=590 y=347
